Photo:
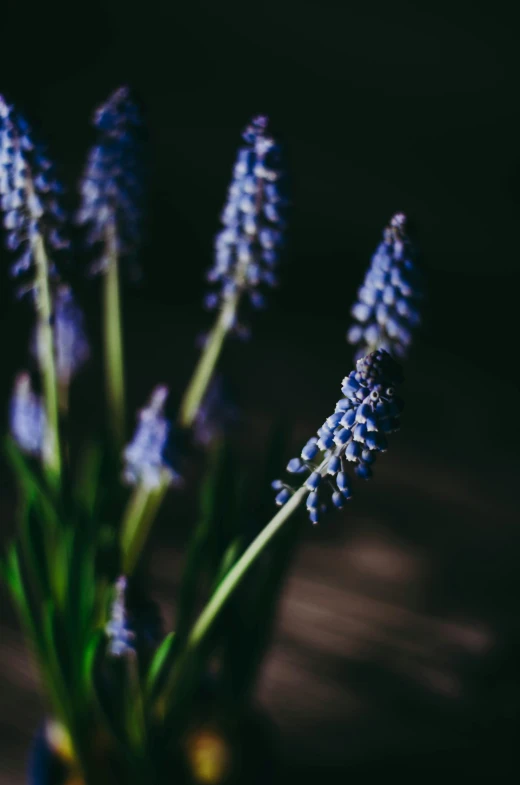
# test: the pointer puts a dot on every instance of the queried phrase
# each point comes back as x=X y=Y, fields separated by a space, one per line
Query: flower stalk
x=114 y=363
x=149 y=460
x=51 y=452
x=140 y=514
x=246 y=251
x=205 y=368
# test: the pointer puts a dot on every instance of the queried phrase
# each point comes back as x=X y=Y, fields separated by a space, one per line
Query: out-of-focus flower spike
x=70 y=341
x=112 y=184
x=120 y=636
x=354 y=434
x=148 y=457
x=388 y=306
x=27 y=417
x=29 y=194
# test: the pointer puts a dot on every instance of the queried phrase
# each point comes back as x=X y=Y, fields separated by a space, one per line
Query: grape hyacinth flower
x=27 y=417
x=387 y=310
x=354 y=433
x=119 y=634
x=33 y=219
x=111 y=207
x=71 y=346
x=247 y=248
x=29 y=197
x=147 y=458
x=246 y=252
x=111 y=187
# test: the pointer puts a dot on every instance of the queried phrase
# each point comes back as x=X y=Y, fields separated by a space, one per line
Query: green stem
x=139 y=516
x=238 y=571
x=51 y=453
x=230 y=583
x=201 y=378
x=114 y=368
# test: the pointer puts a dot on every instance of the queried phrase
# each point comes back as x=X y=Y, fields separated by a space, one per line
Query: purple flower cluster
x=355 y=433
x=148 y=457
x=27 y=417
x=111 y=187
x=71 y=346
x=29 y=193
x=118 y=631
x=247 y=248
x=387 y=310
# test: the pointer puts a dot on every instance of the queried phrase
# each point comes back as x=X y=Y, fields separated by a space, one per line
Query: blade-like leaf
x=161 y=656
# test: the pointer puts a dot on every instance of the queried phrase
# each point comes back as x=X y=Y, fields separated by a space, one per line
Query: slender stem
x=51 y=453
x=238 y=571
x=201 y=378
x=228 y=586
x=114 y=367
x=137 y=523
x=131 y=519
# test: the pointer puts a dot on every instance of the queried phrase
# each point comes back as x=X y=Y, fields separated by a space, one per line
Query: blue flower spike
x=148 y=457
x=71 y=346
x=388 y=307
x=112 y=184
x=247 y=249
x=27 y=417
x=120 y=636
x=30 y=197
x=369 y=411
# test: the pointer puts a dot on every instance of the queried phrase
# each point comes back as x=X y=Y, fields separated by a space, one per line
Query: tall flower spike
x=354 y=433
x=70 y=341
x=247 y=248
x=119 y=634
x=148 y=457
x=111 y=187
x=387 y=310
x=29 y=195
x=27 y=417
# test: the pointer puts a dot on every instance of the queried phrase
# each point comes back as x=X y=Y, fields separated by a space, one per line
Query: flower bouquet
x=126 y=700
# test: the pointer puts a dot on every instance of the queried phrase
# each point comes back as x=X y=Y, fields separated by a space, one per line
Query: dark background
x=386 y=107
x=381 y=107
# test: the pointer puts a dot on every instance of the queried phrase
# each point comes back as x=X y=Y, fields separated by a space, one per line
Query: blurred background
x=398 y=644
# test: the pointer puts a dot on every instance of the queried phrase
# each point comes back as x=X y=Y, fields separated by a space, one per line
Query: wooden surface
x=397 y=646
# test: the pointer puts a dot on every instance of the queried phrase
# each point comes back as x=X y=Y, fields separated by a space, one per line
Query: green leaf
x=252 y=615
x=231 y=554
x=160 y=658
x=88 y=661
x=13 y=575
x=198 y=555
x=27 y=478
